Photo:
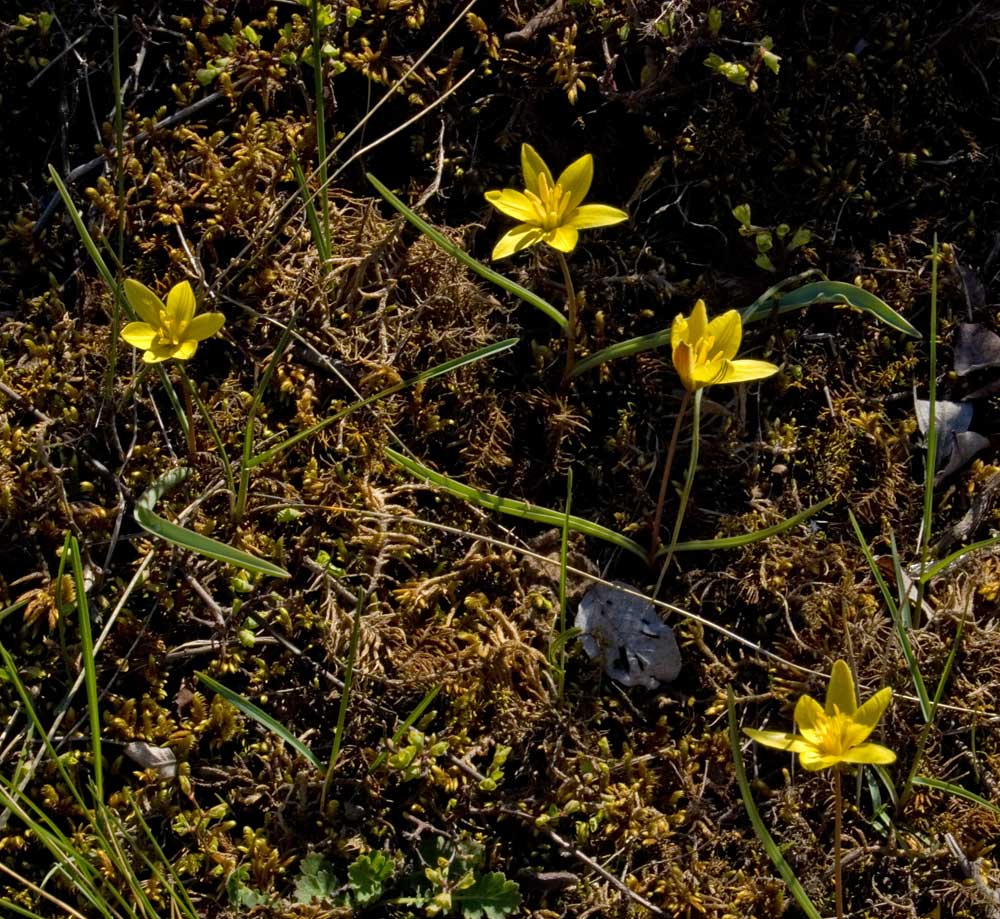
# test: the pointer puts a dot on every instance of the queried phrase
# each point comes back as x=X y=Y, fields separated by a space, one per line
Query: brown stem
x=838 y=876
x=570 y=318
x=654 y=542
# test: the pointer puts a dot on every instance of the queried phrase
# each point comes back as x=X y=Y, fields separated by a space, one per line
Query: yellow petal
x=743 y=371
x=575 y=179
x=159 y=352
x=514 y=204
x=870 y=753
x=697 y=322
x=812 y=760
x=779 y=740
x=181 y=303
x=204 y=326
x=727 y=330
x=139 y=334
x=522 y=236
x=186 y=349
x=679 y=331
x=532 y=166
x=682 y=364
x=809 y=717
x=562 y=238
x=595 y=215
x=840 y=692
x=869 y=713
x=145 y=303
x=710 y=372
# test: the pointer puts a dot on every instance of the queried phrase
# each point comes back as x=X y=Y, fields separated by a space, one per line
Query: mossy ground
x=874 y=136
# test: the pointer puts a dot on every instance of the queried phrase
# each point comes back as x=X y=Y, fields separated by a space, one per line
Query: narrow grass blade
x=261 y=717
x=515 y=508
x=179 y=897
x=446 y=245
x=838 y=292
x=85 y=237
x=16 y=910
x=320 y=240
x=770 y=846
x=736 y=542
x=956 y=790
x=936 y=569
x=563 y=551
x=408 y=723
x=89 y=664
x=220 y=447
x=179 y=536
x=438 y=370
x=345 y=698
x=239 y=508
x=14 y=678
x=319 y=101
x=926 y=709
x=14 y=607
x=930 y=464
x=623 y=349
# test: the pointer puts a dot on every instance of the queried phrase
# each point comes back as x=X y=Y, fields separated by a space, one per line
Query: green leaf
x=188 y=539
x=801 y=237
x=736 y=542
x=714 y=20
x=239 y=893
x=770 y=846
x=315 y=881
x=260 y=716
x=442 y=242
x=515 y=508
x=832 y=292
x=492 y=896
x=368 y=875
x=764 y=242
x=955 y=790
x=742 y=213
x=764 y=261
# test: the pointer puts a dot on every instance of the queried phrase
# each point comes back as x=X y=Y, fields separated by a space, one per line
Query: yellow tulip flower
x=703 y=351
x=168 y=330
x=550 y=210
x=834 y=733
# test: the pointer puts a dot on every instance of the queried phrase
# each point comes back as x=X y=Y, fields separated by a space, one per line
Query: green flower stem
x=190 y=392
x=654 y=542
x=571 y=308
x=838 y=818
x=686 y=492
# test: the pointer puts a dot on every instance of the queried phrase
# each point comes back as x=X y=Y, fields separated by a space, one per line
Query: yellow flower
x=834 y=733
x=171 y=329
x=550 y=210
x=703 y=351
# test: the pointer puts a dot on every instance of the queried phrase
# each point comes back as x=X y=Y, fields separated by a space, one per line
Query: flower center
x=551 y=204
x=835 y=734
x=703 y=350
x=171 y=328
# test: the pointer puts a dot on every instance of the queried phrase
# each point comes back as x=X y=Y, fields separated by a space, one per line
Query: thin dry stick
x=42 y=893
x=654 y=542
